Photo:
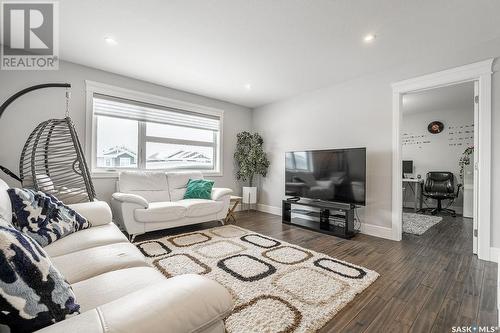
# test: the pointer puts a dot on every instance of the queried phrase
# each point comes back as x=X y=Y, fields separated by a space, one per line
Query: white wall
x=359 y=113
x=438 y=152
x=353 y=114
x=25 y=113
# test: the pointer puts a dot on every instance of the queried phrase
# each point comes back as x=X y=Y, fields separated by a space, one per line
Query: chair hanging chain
x=68 y=96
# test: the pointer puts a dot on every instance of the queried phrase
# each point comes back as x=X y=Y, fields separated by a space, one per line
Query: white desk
x=416 y=184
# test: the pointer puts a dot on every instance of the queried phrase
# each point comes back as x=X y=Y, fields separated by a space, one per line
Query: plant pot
x=249 y=195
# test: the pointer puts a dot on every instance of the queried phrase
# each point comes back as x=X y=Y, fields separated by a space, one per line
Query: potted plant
x=465 y=160
x=251 y=161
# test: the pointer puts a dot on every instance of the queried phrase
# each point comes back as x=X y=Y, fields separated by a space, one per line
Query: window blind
x=128 y=109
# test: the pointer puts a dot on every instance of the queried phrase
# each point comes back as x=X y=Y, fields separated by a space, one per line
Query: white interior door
x=476 y=169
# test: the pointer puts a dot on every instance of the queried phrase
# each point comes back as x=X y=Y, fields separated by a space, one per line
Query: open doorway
x=480 y=75
x=438 y=142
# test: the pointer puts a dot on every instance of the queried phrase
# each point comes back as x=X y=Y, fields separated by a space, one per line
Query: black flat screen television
x=337 y=175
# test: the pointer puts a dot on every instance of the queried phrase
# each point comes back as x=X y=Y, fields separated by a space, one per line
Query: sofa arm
x=97 y=212
x=219 y=192
x=185 y=303
x=131 y=198
x=124 y=206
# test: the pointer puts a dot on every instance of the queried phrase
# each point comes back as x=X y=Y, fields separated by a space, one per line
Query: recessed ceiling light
x=248 y=86
x=110 y=40
x=369 y=38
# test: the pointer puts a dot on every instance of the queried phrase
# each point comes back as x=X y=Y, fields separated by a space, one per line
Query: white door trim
x=481 y=72
x=475 y=195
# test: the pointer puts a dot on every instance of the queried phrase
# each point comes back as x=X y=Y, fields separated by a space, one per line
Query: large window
x=138 y=135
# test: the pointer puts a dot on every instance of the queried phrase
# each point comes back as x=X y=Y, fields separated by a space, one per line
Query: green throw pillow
x=199 y=189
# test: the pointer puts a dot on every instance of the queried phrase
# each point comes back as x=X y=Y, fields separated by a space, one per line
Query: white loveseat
x=148 y=201
x=118 y=291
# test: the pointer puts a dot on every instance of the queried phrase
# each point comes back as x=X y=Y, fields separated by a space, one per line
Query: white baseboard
x=495 y=254
x=368 y=229
x=269 y=209
x=495 y=257
x=376 y=230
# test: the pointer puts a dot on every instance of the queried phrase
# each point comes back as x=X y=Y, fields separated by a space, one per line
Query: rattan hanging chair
x=52 y=159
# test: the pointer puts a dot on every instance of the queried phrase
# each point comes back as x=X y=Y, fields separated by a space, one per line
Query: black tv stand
x=333 y=218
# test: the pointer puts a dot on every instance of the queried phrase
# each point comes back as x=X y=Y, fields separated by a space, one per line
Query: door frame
x=481 y=72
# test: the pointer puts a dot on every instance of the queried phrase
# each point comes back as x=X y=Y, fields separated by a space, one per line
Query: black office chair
x=440 y=185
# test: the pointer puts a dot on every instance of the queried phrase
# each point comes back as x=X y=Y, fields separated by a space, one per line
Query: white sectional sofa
x=118 y=291
x=148 y=201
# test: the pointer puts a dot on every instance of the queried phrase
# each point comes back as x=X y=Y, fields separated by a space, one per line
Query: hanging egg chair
x=52 y=159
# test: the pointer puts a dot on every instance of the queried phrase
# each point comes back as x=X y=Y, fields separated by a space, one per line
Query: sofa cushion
x=98 y=260
x=5 y=206
x=43 y=217
x=33 y=294
x=201 y=207
x=85 y=239
x=150 y=185
x=110 y=286
x=177 y=182
x=160 y=212
x=199 y=189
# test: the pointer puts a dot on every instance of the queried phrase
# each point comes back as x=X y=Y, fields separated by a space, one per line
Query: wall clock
x=435 y=127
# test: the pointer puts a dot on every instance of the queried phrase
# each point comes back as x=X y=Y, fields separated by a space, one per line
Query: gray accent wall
x=25 y=113
x=358 y=113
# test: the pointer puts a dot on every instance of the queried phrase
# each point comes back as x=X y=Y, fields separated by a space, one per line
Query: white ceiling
x=280 y=47
x=455 y=97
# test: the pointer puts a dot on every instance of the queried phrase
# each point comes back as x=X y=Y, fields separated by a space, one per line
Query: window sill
x=114 y=174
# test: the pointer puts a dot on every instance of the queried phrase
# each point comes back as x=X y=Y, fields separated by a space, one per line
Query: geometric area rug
x=417 y=224
x=276 y=286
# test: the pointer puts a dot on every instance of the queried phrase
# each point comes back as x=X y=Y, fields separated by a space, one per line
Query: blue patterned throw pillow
x=42 y=217
x=33 y=294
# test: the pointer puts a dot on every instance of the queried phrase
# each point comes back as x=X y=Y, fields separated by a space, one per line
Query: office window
x=137 y=135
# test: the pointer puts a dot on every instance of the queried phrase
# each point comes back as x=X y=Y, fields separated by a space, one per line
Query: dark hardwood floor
x=427 y=283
